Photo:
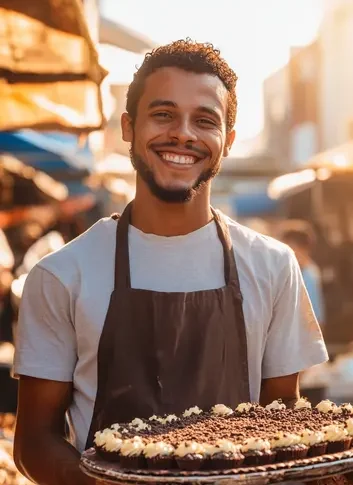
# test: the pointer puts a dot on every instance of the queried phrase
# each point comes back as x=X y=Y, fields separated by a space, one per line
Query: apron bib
x=161 y=353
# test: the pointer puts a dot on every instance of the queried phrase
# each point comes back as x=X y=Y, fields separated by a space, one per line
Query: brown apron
x=161 y=353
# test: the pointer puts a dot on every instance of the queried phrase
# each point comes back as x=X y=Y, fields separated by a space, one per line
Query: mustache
x=188 y=146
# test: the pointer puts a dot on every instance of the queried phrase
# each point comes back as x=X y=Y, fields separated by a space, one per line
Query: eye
x=206 y=121
x=161 y=115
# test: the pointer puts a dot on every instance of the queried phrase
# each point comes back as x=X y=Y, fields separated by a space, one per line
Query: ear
x=127 y=128
x=229 y=143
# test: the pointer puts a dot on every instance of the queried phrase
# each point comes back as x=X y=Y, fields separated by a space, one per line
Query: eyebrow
x=164 y=102
x=210 y=111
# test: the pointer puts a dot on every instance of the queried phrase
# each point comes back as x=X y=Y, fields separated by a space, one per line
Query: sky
x=254 y=36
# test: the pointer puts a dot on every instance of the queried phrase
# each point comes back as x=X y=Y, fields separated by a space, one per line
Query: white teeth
x=181 y=159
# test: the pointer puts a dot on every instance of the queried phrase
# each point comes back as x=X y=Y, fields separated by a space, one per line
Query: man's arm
x=285 y=388
x=41 y=451
x=294 y=340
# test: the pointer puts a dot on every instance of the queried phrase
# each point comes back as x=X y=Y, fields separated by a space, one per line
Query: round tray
x=300 y=470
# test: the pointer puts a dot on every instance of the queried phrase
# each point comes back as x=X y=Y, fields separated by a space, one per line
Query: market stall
x=321 y=193
x=47 y=56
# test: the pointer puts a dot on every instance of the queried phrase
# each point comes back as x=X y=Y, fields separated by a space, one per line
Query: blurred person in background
x=300 y=236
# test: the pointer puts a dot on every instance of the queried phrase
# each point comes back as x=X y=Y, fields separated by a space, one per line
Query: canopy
x=338 y=158
x=59 y=154
x=320 y=167
x=49 y=72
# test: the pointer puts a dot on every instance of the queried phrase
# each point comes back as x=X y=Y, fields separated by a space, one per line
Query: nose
x=183 y=131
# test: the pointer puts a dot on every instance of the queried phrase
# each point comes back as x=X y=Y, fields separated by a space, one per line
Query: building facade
x=336 y=75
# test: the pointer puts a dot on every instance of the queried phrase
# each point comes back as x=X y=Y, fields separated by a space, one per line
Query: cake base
x=306 y=470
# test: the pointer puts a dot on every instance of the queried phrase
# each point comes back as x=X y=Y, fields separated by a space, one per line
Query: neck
x=154 y=216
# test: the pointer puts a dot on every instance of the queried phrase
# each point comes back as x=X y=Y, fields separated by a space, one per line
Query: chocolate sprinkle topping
x=258 y=423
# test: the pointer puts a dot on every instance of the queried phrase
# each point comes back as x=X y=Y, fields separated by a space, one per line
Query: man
x=301 y=238
x=171 y=305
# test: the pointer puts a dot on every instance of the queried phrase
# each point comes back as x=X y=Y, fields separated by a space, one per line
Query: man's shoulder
x=68 y=262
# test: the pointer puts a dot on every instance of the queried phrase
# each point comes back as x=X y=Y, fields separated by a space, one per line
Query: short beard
x=172 y=196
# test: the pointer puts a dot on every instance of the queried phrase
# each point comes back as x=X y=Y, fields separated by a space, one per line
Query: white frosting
x=116 y=426
x=158 y=449
x=190 y=448
x=171 y=418
x=136 y=422
x=335 y=432
x=139 y=425
x=347 y=407
x=100 y=437
x=337 y=410
x=325 y=406
x=168 y=419
x=310 y=438
x=349 y=426
x=244 y=407
x=133 y=447
x=226 y=446
x=113 y=443
x=302 y=403
x=210 y=449
x=282 y=440
x=275 y=406
x=222 y=410
x=221 y=446
x=258 y=444
x=190 y=411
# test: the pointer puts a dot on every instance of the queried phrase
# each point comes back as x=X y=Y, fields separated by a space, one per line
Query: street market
x=175 y=243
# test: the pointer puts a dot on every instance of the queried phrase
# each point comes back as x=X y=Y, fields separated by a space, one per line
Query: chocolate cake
x=226 y=438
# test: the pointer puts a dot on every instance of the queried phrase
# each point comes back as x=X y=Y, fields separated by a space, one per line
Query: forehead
x=185 y=89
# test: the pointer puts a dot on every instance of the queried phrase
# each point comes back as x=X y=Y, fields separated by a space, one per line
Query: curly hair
x=190 y=56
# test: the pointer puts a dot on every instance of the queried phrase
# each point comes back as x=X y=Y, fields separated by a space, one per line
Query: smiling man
x=169 y=306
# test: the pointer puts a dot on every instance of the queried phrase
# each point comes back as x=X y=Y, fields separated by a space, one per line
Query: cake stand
x=316 y=468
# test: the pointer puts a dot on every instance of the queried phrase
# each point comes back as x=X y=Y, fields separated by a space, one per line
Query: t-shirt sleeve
x=45 y=337
x=294 y=339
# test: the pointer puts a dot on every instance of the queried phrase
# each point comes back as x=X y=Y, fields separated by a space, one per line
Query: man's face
x=179 y=136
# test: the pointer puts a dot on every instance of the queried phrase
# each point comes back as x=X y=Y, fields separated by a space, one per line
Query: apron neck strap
x=230 y=267
x=122 y=260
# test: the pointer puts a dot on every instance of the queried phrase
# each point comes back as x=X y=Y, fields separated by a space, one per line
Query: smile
x=178 y=159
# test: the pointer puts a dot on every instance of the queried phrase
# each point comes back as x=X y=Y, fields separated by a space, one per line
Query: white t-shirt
x=66 y=298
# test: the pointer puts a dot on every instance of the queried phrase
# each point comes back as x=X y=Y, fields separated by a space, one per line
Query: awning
x=49 y=70
x=118 y=35
x=319 y=168
x=291 y=184
x=338 y=158
x=58 y=154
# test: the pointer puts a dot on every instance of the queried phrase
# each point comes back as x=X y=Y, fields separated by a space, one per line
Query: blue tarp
x=253 y=204
x=50 y=152
x=76 y=189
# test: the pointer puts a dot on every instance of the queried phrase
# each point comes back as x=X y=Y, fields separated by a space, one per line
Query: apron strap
x=230 y=267
x=122 y=260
